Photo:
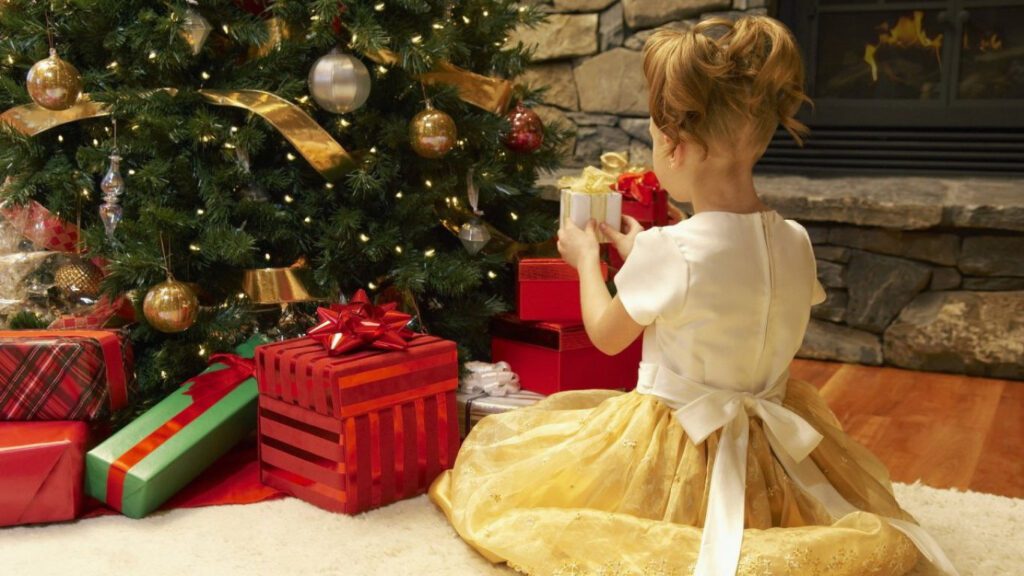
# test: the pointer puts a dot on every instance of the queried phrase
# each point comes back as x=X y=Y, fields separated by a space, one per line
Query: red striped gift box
x=355 y=432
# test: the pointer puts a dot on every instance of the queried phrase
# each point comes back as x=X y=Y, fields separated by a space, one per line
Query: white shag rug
x=983 y=535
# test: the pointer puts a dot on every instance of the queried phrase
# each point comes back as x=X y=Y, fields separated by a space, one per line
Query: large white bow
x=701 y=410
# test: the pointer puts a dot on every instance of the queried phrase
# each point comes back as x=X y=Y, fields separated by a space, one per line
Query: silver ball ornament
x=339 y=82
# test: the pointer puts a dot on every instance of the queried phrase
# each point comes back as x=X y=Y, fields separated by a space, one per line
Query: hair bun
x=724 y=79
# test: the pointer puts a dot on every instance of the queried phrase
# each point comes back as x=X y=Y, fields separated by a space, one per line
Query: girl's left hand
x=578 y=245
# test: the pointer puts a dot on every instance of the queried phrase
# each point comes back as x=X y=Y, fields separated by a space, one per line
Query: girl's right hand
x=623 y=241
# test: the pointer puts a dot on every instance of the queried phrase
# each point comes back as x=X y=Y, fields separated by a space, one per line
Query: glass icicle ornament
x=474 y=233
x=112 y=185
x=195 y=30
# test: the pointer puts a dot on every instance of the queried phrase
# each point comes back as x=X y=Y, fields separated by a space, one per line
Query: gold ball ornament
x=78 y=279
x=432 y=133
x=53 y=83
x=171 y=306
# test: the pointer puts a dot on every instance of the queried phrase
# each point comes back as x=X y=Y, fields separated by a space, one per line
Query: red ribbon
x=110 y=347
x=360 y=324
x=207 y=389
x=640 y=186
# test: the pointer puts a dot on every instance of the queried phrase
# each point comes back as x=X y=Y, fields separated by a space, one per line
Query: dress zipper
x=766 y=232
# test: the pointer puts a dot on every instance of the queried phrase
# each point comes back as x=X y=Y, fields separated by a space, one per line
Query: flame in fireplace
x=988 y=42
x=907 y=33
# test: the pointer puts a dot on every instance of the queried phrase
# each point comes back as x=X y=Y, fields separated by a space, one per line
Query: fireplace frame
x=802 y=16
x=944 y=135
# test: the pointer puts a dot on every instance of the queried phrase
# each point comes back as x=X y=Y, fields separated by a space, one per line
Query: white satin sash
x=701 y=410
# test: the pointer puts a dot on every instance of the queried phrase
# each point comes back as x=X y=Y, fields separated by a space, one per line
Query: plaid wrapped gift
x=63 y=374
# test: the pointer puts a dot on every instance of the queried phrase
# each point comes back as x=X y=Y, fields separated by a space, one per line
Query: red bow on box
x=359 y=324
x=640 y=186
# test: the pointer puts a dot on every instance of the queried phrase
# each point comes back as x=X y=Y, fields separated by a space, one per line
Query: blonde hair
x=739 y=85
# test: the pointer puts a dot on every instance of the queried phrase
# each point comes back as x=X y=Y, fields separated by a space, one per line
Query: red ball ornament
x=525 y=130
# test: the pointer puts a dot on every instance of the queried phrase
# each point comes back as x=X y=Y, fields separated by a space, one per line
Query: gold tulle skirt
x=605 y=482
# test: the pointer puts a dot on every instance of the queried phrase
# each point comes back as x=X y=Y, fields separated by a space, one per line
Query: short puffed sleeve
x=817 y=293
x=654 y=279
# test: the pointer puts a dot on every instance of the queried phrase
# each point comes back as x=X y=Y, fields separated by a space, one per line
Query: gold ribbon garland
x=315 y=144
x=490 y=94
x=32 y=119
x=452 y=216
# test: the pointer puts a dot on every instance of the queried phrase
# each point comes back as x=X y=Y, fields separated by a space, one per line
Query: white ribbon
x=701 y=410
x=491 y=379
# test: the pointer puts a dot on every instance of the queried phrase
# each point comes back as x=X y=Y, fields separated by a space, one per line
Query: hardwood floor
x=947 y=430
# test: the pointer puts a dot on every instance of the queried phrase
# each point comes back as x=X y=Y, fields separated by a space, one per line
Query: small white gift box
x=590 y=196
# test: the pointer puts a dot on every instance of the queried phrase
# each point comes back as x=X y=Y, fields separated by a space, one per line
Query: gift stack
x=359 y=413
x=53 y=386
x=545 y=343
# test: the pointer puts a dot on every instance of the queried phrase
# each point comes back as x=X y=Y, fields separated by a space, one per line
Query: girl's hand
x=578 y=245
x=623 y=242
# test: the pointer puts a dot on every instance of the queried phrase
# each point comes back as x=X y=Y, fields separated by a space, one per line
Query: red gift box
x=553 y=357
x=354 y=432
x=649 y=216
x=42 y=471
x=63 y=374
x=549 y=290
x=653 y=213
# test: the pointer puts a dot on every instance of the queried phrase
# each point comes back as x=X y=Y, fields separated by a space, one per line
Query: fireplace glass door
x=934 y=85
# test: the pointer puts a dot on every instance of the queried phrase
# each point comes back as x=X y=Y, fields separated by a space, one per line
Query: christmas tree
x=201 y=105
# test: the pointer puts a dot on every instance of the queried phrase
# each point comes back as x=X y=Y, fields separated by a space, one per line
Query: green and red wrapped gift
x=553 y=357
x=140 y=467
x=359 y=429
x=63 y=374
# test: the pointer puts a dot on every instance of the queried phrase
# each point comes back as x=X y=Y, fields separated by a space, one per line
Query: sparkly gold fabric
x=605 y=482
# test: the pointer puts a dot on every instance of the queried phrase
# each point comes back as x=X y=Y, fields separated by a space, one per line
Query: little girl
x=718 y=463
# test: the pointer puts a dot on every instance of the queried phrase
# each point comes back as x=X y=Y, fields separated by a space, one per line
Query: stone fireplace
x=911 y=185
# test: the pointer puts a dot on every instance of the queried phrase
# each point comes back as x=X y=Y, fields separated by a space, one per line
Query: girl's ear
x=678 y=153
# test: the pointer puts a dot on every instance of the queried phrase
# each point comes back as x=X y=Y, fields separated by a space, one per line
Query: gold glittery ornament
x=78 y=279
x=432 y=133
x=53 y=83
x=171 y=306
